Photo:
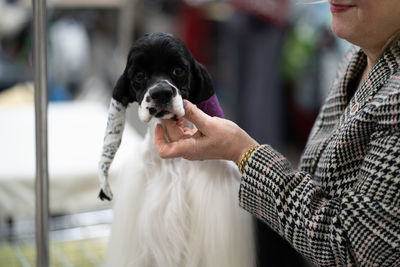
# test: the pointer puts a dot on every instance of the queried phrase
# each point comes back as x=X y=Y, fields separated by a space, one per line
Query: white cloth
x=75 y=132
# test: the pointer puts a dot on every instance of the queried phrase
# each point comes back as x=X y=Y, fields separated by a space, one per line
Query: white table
x=75 y=131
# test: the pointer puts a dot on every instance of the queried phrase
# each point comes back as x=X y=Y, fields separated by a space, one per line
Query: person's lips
x=339 y=8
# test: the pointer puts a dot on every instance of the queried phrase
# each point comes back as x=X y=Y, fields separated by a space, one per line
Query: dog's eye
x=178 y=72
x=139 y=77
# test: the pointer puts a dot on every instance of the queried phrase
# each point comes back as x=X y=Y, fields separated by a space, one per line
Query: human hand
x=215 y=138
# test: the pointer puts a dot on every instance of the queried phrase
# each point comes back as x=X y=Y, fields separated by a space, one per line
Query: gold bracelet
x=245 y=157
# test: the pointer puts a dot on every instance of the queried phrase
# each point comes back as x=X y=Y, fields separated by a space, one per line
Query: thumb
x=196 y=116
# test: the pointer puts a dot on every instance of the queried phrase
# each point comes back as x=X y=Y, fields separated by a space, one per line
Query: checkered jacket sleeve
x=341 y=207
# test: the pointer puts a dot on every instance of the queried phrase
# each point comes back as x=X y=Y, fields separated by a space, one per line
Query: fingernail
x=184 y=104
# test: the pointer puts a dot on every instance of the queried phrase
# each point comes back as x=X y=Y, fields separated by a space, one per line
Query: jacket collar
x=379 y=75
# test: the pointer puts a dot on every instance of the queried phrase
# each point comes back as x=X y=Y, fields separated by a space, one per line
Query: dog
x=170 y=212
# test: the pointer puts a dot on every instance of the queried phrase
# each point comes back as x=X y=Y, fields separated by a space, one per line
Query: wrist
x=244 y=142
x=245 y=157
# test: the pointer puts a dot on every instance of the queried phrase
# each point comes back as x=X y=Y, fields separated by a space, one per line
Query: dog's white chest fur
x=174 y=212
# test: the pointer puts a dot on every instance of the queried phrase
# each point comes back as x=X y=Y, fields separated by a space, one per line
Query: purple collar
x=212 y=107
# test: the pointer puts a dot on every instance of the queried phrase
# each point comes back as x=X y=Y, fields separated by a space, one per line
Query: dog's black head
x=160 y=71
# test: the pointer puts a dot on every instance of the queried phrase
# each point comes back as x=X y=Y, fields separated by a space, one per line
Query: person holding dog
x=341 y=206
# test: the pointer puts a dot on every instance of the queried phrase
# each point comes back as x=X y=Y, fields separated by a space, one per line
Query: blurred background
x=271 y=61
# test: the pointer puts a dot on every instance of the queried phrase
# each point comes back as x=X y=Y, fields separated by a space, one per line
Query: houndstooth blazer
x=342 y=206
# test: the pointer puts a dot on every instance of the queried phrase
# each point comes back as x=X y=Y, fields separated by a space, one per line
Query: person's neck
x=373 y=55
x=373 y=52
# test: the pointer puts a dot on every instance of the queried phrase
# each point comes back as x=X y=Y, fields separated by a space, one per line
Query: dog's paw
x=103 y=195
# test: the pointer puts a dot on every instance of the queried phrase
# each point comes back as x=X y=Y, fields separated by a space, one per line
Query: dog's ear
x=122 y=92
x=201 y=87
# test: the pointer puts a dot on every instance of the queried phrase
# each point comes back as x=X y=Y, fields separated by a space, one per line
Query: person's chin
x=340 y=29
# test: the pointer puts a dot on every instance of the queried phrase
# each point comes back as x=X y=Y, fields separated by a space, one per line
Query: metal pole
x=126 y=26
x=42 y=179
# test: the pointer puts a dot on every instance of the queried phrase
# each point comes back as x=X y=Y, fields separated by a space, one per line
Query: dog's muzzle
x=162 y=93
x=162 y=100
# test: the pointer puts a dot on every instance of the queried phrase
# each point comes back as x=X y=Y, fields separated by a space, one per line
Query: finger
x=164 y=148
x=197 y=135
x=169 y=129
x=196 y=116
x=188 y=132
x=160 y=136
x=173 y=129
x=160 y=141
x=180 y=122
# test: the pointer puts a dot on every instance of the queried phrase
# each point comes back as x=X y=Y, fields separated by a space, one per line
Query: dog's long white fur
x=175 y=213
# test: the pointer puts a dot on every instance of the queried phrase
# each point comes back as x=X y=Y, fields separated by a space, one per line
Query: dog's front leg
x=112 y=140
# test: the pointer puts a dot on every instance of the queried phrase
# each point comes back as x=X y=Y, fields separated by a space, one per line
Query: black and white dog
x=171 y=212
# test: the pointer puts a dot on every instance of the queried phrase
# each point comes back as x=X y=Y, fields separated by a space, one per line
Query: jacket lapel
x=376 y=78
x=337 y=110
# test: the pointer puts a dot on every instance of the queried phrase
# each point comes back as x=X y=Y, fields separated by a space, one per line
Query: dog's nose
x=161 y=94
